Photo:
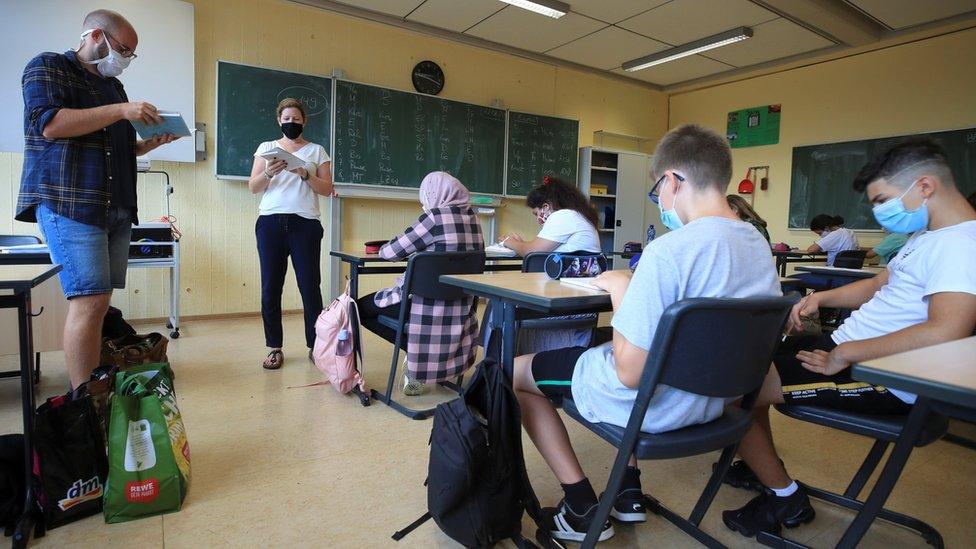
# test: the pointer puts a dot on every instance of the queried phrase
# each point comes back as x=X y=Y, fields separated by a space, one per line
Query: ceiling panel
x=454 y=15
x=607 y=48
x=682 y=21
x=613 y=11
x=683 y=69
x=530 y=31
x=399 y=8
x=898 y=14
x=773 y=40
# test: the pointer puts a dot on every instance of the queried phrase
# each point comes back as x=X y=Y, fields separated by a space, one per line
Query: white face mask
x=112 y=64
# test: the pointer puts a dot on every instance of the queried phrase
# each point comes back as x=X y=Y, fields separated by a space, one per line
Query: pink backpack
x=337 y=344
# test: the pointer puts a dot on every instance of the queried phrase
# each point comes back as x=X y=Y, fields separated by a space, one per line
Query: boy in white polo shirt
x=926 y=296
x=709 y=252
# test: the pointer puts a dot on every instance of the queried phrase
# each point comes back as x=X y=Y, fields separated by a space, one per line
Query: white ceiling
x=603 y=34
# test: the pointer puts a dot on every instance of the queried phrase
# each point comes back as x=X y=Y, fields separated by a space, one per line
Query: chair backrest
x=18 y=239
x=850 y=259
x=535 y=262
x=717 y=347
x=424 y=270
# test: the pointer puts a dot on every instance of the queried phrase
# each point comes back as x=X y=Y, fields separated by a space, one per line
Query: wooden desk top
x=532 y=290
x=25 y=277
x=944 y=372
x=361 y=257
x=798 y=253
x=866 y=272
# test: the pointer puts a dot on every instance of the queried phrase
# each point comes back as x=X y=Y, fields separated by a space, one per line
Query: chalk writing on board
x=539 y=146
x=315 y=103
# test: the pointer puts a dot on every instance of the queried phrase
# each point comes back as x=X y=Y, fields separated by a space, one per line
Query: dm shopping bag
x=70 y=465
x=148 y=454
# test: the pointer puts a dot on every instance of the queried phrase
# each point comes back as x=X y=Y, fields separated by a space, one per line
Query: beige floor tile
x=307 y=467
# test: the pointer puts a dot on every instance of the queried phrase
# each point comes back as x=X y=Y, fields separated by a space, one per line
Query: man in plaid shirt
x=79 y=176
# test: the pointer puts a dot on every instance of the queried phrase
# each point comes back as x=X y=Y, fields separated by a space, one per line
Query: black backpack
x=477 y=486
x=12 y=489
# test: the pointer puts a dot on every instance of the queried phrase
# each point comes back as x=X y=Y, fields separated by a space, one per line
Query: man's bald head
x=99 y=22
x=111 y=21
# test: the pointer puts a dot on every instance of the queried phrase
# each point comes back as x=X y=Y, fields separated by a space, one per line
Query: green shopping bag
x=149 y=460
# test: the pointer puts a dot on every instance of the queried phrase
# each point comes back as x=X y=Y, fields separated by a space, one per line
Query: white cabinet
x=617 y=183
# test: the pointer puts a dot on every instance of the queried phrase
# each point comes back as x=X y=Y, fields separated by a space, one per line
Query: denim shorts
x=93 y=259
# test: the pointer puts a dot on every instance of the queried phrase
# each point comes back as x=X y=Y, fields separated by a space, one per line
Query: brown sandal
x=274 y=360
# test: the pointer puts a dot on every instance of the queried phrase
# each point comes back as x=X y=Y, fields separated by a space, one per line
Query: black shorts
x=553 y=372
x=839 y=391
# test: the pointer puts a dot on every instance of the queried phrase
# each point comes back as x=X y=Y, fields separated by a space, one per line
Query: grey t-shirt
x=709 y=257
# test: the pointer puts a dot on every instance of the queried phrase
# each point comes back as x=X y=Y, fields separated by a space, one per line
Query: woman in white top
x=288 y=225
x=568 y=221
x=834 y=238
x=569 y=224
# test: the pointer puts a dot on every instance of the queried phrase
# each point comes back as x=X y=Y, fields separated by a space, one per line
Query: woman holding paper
x=288 y=222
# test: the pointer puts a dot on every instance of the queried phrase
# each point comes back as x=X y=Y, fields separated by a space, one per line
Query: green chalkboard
x=393 y=139
x=537 y=146
x=246 y=101
x=823 y=174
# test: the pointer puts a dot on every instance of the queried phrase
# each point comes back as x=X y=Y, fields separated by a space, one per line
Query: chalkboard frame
x=878 y=230
x=359 y=190
x=332 y=86
x=508 y=126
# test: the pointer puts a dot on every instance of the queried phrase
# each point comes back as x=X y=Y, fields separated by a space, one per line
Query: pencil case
x=373 y=246
x=559 y=265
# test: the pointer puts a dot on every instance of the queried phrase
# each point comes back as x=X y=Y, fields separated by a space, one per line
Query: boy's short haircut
x=914 y=156
x=701 y=155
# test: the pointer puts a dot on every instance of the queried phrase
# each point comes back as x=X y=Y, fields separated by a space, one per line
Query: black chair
x=18 y=239
x=535 y=262
x=850 y=259
x=422 y=279
x=885 y=430
x=714 y=347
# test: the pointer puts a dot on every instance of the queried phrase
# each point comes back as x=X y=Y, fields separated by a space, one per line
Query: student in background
x=834 y=237
x=288 y=225
x=569 y=223
x=708 y=253
x=568 y=220
x=888 y=248
x=442 y=334
x=747 y=214
x=926 y=296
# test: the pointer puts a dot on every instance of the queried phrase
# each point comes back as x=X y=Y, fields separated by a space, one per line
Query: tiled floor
x=279 y=465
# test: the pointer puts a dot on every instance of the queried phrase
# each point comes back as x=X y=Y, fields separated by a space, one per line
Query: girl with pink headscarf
x=448 y=224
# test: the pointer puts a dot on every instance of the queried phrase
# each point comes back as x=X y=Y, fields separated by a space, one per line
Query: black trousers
x=280 y=236
x=368 y=313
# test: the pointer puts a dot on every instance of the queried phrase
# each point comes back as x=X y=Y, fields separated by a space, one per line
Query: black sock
x=631 y=479
x=580 y=496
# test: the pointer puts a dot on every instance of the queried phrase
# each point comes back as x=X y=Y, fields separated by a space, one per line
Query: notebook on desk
x=498 y=250
x=24 y=249
x=586 y=283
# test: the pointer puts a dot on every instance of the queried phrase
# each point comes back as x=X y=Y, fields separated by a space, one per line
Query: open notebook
x=586 y=283
x=498 y=250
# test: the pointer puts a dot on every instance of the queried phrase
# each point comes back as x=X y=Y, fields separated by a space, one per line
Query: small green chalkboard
x=753 y=127
x=247 y=98
x=538 y=146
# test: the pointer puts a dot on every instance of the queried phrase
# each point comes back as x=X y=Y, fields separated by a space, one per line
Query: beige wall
x=220 y=269
x=918 y=87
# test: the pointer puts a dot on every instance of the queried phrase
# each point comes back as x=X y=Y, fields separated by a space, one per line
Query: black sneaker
x=740 y=475
x=566 y=524
x=767 y=511
x=630 y=506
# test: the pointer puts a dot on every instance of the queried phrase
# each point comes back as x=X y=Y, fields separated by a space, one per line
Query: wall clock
x=428 y=78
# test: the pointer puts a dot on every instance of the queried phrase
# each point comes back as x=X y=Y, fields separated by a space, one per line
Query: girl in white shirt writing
x=834 y=237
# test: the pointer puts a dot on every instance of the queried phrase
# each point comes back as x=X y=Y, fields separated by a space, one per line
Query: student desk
x=360 y=263
x=511 y=294
x=944 y=378
x=22 y=279
x=825 y=278
x=785 y=258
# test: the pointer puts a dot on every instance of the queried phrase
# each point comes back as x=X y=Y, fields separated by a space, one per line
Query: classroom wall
x=917 y=87
x=220 y=269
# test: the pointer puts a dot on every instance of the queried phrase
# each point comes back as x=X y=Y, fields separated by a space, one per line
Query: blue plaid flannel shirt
x=70 y=176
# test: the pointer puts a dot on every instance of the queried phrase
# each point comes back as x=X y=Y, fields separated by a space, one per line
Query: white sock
x=788 y=491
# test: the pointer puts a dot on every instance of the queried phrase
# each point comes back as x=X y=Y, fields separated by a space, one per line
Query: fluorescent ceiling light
x=551 y=8
x=691 y=48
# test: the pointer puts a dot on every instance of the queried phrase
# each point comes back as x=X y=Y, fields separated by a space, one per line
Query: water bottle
x=651 y=233
x=344 y=345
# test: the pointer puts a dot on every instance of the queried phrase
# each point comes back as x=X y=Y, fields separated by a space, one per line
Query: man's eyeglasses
x=655 y=194
x=123 y=50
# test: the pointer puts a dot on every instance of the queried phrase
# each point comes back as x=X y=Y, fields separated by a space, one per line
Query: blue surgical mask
x=893 y=216
x=670 y=217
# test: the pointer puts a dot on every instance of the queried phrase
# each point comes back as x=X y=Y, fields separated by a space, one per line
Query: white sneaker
x=412 y=387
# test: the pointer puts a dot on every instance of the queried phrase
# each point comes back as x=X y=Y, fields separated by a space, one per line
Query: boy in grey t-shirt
x=714 y=254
